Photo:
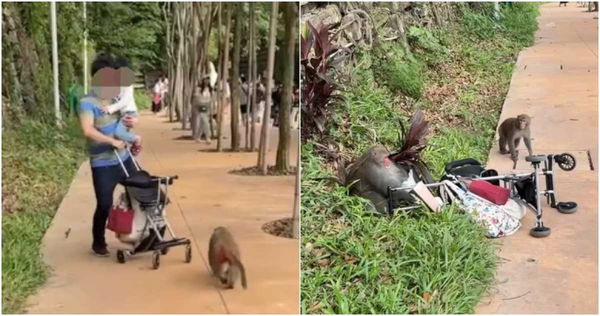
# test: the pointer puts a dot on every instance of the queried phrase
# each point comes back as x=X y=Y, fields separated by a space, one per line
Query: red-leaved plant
x=317 y=86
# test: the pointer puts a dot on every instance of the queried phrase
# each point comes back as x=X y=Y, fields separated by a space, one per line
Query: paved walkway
x=556 y=82
x=205 y=196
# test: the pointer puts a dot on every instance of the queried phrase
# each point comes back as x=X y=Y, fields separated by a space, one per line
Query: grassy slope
x=353 y=262
x=38 y=164
x=142 y=99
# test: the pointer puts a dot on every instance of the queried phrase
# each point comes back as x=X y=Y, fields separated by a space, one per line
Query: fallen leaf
x=323 y=262
x=318 y=252
x=315 y=308
x=308 y=247
x=337 y=228
x=350 y=260
x=426 y=296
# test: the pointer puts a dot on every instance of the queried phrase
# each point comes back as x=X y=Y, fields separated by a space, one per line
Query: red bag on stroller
x=120 y=220
x=493 y=193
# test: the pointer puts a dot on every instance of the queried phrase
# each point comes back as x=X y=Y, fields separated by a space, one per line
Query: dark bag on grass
x=468 y=167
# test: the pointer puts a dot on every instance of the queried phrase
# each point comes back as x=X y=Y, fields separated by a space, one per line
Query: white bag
x=515 y=208
x=493 y=217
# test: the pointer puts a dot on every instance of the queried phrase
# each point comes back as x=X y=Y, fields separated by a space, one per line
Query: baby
x=125 y=105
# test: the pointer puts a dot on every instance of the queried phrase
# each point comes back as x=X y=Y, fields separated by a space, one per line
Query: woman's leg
x=105 y=180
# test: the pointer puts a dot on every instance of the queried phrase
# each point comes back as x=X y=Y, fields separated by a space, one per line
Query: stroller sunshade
x=143 y=187
x=140 y=179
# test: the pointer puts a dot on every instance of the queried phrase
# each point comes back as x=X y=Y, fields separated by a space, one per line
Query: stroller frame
x=509 y=180
x=155 y=212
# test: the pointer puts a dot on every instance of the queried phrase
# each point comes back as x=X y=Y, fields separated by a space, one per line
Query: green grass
x=38 y=164
x=355 y=262
x=416 y=262
x=142 y=99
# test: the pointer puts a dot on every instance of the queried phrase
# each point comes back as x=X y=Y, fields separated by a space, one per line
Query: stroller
x=525 y=186
x=147 y=196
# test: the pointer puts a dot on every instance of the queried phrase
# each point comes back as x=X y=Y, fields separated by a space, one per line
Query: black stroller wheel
x=540 y=232
x=188 y=254
x=565 y=161
x=120 y=256
x=567 y=207
x=156 y=260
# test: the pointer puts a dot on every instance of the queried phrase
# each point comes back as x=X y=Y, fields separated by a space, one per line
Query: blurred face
x=107 y=83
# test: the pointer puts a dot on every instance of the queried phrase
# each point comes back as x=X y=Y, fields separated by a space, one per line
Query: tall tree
x=264 y=137
x=249 y=78
x=136 y=31
x=290 y=40
x=253 y=76
x=295 y=218
x=235 y=79
x=167 y=11
x=224 y=73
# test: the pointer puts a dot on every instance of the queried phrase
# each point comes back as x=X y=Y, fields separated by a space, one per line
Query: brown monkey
x=224 y=258
x=511 y=131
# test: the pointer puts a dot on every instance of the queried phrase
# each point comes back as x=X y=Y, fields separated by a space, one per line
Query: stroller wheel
x=164 y=251
x=188 y=254
x=565 y=161
x=540 y=232
x=156 y=260
x=567 y=207
x=120 y=256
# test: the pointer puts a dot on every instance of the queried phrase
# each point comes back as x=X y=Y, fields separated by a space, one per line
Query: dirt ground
x=205 y=196
x=555 y=82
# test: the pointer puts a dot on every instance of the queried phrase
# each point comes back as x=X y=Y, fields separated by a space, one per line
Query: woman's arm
x=87 y=126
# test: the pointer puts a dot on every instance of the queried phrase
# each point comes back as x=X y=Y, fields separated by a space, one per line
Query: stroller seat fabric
x=142 y=187
x=146 y=197
x=527 y=191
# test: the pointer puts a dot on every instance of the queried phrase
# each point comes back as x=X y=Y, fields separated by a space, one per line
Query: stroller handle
x=135 y=163
x=168 y=180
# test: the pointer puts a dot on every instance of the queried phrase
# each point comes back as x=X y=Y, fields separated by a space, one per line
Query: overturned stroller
x=147 y=196
x=524 y=186
x=397 y=181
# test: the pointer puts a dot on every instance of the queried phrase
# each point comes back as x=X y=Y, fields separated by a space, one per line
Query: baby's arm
x=122 y=103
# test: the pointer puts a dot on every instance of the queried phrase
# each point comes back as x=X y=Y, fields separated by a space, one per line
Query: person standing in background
x=156 y=99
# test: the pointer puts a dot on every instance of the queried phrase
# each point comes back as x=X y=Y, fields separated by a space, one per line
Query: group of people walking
x=204 y=101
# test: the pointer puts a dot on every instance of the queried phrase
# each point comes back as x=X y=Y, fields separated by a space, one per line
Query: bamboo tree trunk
x=248 y=80
x=282 y=164
x=235 y=81
x=253 y=75
x=295 y=211
x=264 y=138
x=224 y=77
x=170 y=61
x=217 y=133
x=191 y=35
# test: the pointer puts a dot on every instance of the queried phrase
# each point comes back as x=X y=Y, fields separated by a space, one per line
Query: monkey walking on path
x=511 y=131
x=224 y=258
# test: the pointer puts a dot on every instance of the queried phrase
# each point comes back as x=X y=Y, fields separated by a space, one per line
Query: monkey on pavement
x=511 y=131
x=224 y=258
